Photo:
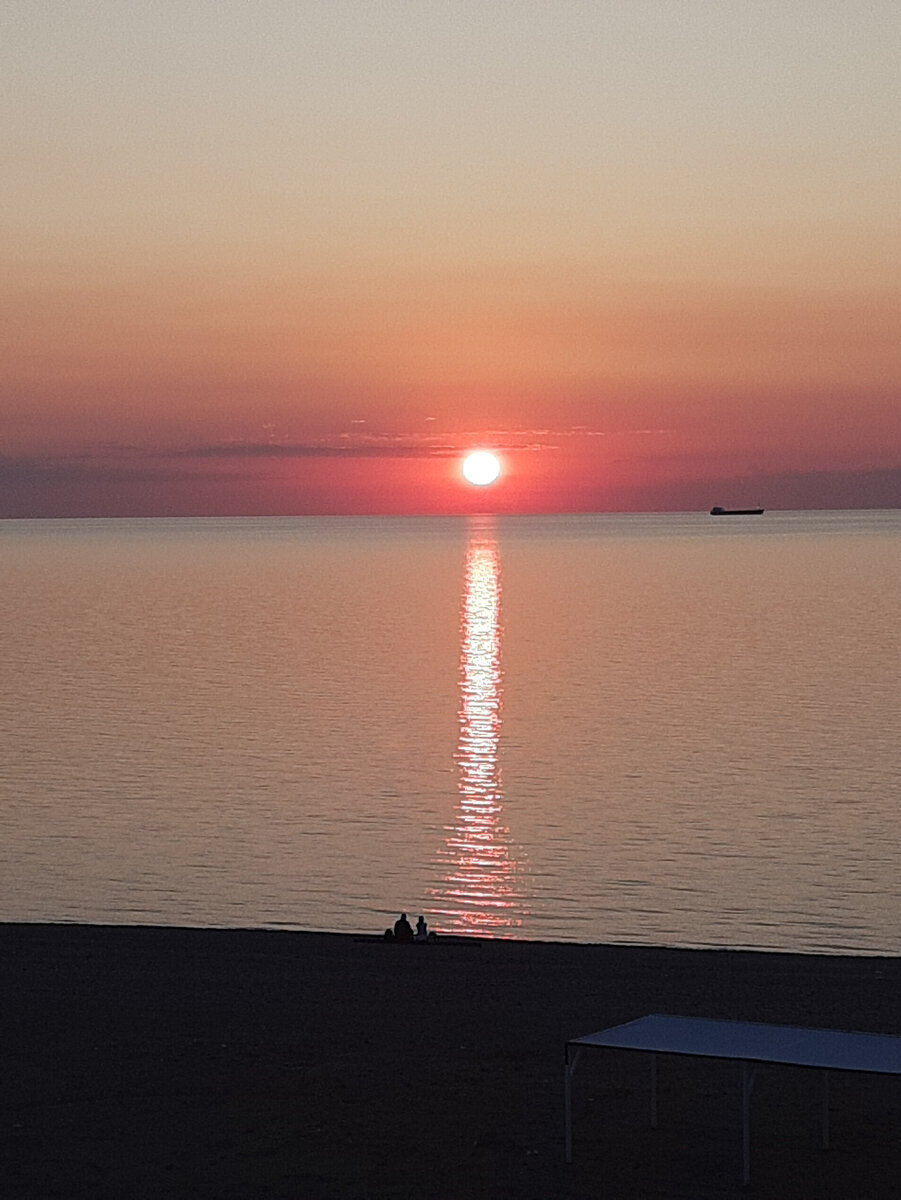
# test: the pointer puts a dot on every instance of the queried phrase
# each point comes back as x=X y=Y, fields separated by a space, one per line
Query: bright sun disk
x=481 y=468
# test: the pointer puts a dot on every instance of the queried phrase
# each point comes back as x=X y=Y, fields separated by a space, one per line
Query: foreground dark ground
x=204 y=1063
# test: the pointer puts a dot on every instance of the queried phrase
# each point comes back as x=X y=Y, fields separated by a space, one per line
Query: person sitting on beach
x=422 y=930
x=403 y=930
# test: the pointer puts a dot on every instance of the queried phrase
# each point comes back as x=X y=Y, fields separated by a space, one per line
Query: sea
x=666 y=729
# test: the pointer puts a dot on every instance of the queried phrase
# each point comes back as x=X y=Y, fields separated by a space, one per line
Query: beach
x=149 y=1062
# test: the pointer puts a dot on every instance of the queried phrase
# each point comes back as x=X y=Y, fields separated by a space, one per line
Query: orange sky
x=295 y=258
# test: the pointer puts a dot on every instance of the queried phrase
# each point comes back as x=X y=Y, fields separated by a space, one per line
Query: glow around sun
x=481 y=468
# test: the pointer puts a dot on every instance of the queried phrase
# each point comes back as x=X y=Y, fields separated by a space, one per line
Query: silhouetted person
x=422 y=930
x=403 y=930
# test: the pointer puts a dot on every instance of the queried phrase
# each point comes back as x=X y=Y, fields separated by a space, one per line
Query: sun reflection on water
x=480 y=893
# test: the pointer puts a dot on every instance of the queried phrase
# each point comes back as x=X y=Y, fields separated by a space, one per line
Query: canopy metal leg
x=747 y=1083
x=570 y=1060
x=824 y=1113
x=653 y=1091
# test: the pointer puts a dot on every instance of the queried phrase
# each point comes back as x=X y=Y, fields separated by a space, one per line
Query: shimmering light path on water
x=663 y=729
x=480 y=892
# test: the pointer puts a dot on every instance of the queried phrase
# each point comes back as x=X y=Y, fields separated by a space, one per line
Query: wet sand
x=142 y=1062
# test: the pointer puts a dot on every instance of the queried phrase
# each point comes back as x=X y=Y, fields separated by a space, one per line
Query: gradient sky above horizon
x=294 y=257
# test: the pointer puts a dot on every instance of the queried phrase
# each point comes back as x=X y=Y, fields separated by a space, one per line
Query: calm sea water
x=654 y=729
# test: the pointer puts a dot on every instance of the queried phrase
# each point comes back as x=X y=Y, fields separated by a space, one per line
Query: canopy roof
x=703 y=1037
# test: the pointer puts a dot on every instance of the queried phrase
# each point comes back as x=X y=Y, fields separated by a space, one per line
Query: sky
x=296 y=256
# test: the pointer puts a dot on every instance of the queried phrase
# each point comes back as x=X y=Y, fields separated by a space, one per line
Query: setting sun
x=481 y=468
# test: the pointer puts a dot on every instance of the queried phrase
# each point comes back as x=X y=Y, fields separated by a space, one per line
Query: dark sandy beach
x=142 y=1062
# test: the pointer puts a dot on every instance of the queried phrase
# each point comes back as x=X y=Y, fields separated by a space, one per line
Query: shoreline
x=144 y=1061
x=450 y=937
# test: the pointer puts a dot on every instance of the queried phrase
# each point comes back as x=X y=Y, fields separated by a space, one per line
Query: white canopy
x=746 y=1042
x=750 y=1041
